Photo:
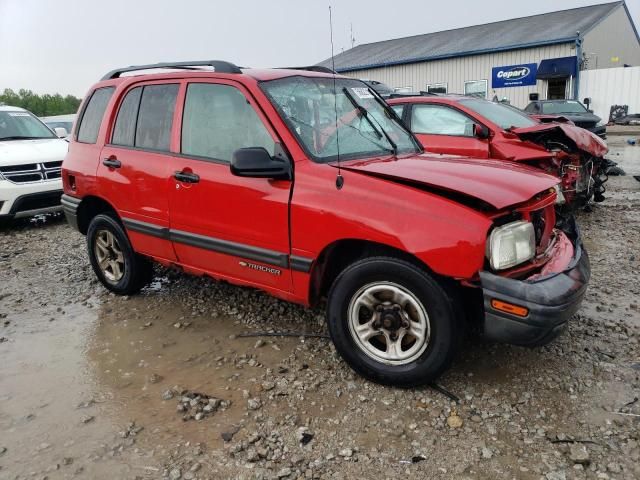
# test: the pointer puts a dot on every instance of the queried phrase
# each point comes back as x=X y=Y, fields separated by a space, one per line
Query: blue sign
x=514 y=75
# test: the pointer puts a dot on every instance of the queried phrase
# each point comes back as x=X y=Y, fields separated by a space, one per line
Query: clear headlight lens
x=601 y=124
x=560 y=200
x=511 y=245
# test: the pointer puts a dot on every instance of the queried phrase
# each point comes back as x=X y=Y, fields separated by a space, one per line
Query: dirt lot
x=96 y=386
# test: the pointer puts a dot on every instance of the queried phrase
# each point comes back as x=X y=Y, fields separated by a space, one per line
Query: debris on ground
x=198 y=406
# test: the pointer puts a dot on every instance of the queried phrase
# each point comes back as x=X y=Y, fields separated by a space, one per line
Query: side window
x=218 y=120
x=155 y=117
x=476 y=88
x=124 y=132
x=437 y=120
x=399 y=109
x=437 y=88
x=92 y=115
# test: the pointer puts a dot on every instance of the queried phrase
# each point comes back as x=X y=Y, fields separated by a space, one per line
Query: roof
x=546 y=29
x=9 y=108
x=254 y=74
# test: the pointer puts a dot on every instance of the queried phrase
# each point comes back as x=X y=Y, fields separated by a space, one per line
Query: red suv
x=458 y=125
x=306 y=185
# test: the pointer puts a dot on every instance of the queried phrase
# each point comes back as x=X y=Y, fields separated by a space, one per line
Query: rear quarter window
x=155 y=117
x=92 y=115
x=124 y=132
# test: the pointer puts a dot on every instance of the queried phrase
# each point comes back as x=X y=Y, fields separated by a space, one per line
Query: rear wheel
x=114 y=262
x=392 y=322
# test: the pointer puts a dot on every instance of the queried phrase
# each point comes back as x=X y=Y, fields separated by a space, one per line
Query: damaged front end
x=533 y=310
x=577 y=158
x=530 y=303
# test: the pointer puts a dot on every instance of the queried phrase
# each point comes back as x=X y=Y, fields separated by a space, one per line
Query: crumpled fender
x=583 y=139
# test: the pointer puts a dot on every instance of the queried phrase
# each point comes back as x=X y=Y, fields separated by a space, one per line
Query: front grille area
x=33 y=172
x=586 y=124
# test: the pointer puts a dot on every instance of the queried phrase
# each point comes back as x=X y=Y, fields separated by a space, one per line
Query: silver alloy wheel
x=109 y=256
x=388 y=323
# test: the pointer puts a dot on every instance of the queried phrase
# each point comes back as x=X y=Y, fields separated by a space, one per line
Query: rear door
x=446 y=130
x=220 y=223
x=135 y=165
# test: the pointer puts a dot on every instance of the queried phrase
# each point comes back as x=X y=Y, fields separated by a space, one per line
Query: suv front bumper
x=27 y=199
x=551 y=300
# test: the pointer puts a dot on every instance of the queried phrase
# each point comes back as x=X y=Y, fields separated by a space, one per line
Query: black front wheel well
x=339 y=255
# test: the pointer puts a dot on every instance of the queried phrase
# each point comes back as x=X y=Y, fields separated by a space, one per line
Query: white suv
x=30 y=160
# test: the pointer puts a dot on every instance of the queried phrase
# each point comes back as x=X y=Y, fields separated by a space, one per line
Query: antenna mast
x=339 y=178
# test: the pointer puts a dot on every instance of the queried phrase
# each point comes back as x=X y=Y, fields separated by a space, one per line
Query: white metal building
x=541 y=54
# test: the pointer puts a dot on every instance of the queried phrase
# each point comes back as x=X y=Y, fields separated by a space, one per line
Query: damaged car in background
x=459 y=125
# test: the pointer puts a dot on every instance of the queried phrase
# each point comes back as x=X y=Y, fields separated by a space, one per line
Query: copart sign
x=514 y=75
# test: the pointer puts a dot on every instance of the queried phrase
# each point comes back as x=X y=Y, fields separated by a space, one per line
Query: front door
x=229 y=226
x=443 y=129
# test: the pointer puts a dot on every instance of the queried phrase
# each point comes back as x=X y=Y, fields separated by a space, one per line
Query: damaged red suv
x=459 y=125
x=306 y=185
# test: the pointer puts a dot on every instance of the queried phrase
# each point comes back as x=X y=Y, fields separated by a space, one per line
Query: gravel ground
x=165 y=385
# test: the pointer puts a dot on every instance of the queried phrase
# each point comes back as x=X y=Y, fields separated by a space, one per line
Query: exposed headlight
x=511 y=245
x=560 y=200
x=601 y=124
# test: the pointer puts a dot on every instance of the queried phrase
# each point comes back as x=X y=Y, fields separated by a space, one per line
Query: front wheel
x=114 y=262
x=392 y=322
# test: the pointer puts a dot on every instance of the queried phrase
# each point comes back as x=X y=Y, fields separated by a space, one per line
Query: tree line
x=40 y=105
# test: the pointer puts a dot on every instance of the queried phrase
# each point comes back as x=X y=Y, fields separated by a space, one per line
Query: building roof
x=545 y=29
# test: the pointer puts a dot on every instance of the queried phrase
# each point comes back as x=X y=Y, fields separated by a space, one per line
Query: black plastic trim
x=301 y=264
x=249 y=252
x=70 y=208
x=15 y=208
x=146 y=228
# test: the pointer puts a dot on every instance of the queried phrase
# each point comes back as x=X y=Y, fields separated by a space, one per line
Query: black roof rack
x=218 y=65
x=312 y=68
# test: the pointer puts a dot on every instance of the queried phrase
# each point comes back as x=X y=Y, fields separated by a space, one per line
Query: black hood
x=582 y=117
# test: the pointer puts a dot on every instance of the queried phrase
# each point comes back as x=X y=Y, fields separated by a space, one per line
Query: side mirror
x=255 y=162
x=587 y=101
x=480 y=131
x=61 y=132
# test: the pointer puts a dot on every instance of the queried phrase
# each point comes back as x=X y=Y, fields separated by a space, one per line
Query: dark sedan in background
x=571 y=109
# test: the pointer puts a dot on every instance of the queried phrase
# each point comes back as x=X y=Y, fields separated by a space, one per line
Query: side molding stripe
x=301 y=264
x=249 y=252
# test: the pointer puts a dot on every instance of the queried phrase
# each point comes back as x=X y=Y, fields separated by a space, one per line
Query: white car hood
x=21 y=152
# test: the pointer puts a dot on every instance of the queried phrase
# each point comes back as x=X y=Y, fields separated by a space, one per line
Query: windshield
x=570 y=106
x=365 y=126
x=502 y=115
x=17 y=125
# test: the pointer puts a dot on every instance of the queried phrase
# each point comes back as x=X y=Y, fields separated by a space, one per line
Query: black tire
x=137 y=271
x=446 y=326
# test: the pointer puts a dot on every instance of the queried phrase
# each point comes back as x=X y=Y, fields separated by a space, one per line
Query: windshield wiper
x=361 y=110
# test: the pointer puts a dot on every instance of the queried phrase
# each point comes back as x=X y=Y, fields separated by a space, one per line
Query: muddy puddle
x=83 y=388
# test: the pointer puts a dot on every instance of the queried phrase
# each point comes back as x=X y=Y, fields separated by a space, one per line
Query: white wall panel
x=456 y=71
x=611 y=86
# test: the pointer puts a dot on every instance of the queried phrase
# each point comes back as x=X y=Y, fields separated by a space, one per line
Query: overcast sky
x=64 y=46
